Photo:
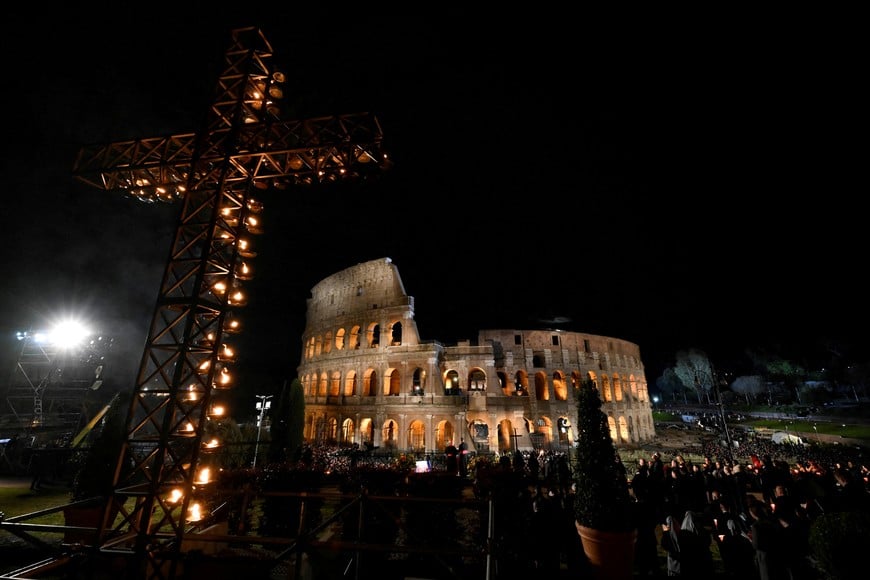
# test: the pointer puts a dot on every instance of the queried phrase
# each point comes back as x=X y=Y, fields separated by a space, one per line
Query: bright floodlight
x=68 y=334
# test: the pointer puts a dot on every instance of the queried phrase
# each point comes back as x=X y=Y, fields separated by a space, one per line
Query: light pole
x=263 y=403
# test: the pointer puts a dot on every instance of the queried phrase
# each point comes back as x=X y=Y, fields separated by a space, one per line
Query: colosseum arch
x=604 y=389
x=503 y=383
x=322 y=385
x=335 y=384
x=390 y=434
x=350 y=384
x=542 y=436
x=624 y=435
x=505 y=436
x=367 y=431
x=542 y=390
x=339 y=339
x=417 y=436
x=592 y=376
x=451 y=383
x=327 y=342
x=392 y=383
x=347 y=433
x=373 y=335
x=396 y=333
x=611 y=424
x=565 y=432
x=318 y=345
x=418 y=382
x=444 y=434
x=476 y=379
x=576 y=379
x=617 y=387
x=309 y=349
x=560 y=388
x=370 y=379
x=332 y=431
x=522 y=383
x=354 y=338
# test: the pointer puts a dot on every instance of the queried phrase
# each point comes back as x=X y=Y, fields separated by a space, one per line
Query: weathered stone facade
x=369 y=380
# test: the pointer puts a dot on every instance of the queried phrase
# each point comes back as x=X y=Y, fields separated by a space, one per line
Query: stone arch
x=322 y=385
x=392 y=383
x=318 y=345
x=476 y=379
x=390 y=434
x=451 y=383
x=604 y=389
x=367 y=431
x=522 y=383
x=611 y=424
x=370 y=379
x=543 y=433
x=350 y=384
x=444 y=434
x=354 y=337
x=332 y=431
x=503 y=383
x=418 y=382
x=565 y=432
x=373 y=335
x=417 y=436
x=617 y=387
x=396 y=333
x=624 y=435
x=346 y=438
x=327 y=342
x=339 y=339
x=505 y=436
x=542 y=389
x=335 y=384
x=560 y=387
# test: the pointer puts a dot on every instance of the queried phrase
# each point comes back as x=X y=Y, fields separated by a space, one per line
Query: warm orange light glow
x=204 y=365
x=220 y=287
x=225 y=377
x=218 y=410
x=194 y=512
x=213 y=443
x=203 y=476
x=175 y=496
x=227 y=353
x=189 y=427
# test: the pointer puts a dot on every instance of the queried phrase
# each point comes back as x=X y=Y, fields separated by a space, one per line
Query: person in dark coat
x=451 y=457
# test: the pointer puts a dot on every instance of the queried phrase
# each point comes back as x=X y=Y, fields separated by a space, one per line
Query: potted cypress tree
x=603 y=510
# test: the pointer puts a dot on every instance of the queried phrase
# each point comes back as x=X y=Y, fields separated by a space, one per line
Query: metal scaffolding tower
x=243 y=150
x=50 y=382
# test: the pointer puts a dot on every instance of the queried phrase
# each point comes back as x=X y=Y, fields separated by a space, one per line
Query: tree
x=748 y=387
x=694 y=370
x=288 y=425
x=670 y=386
x=602 y=500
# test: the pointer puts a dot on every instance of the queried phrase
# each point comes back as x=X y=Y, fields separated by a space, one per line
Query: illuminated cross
x=243 y=150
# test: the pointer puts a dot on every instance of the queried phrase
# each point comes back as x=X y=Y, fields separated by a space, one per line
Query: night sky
x=679 y=186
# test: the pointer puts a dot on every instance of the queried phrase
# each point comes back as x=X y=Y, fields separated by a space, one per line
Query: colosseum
x=370 y=381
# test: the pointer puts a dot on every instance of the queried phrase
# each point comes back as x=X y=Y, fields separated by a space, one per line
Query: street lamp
x=263 y=403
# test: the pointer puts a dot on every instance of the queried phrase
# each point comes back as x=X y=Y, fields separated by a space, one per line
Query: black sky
x=676 y=183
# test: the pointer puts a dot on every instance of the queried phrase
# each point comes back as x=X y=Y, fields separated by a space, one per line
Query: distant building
x=370 y=381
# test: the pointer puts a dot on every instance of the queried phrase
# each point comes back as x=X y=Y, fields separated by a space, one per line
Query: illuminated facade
x=370 y=381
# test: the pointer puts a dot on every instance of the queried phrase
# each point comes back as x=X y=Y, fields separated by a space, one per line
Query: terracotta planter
x=610 y=554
